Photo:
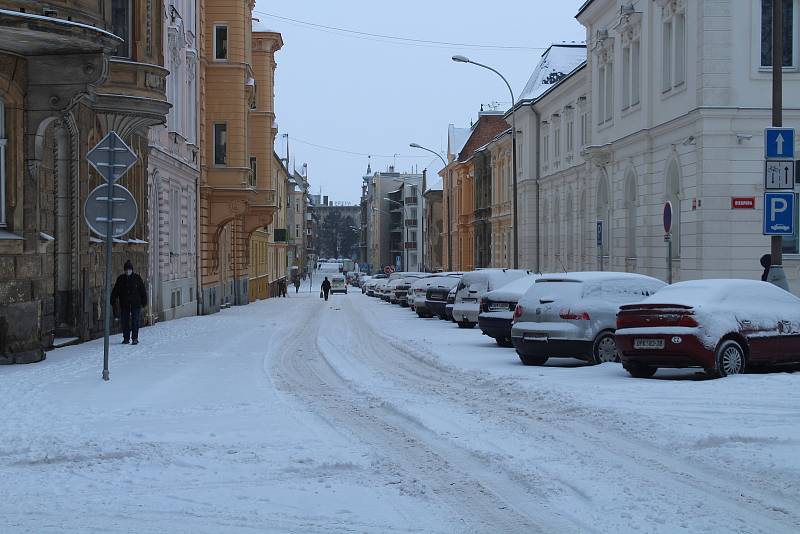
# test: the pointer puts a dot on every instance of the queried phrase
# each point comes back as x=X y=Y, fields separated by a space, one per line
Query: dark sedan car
x=436 y=297
x=722 y=326
x=497 y=309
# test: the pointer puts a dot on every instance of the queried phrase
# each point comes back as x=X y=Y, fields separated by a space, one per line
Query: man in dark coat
x=326 y=287
x=766 y=263
x=132 y=295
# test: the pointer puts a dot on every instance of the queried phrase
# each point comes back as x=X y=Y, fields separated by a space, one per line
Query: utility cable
x=396 y=39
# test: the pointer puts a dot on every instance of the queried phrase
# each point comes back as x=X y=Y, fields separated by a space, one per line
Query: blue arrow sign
x=779 y=143
x=779 y=214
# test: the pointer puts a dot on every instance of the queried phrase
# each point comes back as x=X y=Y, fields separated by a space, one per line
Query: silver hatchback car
x=574 y=315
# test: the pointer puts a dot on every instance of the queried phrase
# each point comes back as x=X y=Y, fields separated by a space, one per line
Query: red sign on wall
x=743 y=203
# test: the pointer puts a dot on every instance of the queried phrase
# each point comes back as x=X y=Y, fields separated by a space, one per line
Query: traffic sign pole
x=776 y=274
x=109 y=257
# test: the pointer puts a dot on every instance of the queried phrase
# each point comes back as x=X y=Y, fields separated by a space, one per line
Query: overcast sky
x=374 y=96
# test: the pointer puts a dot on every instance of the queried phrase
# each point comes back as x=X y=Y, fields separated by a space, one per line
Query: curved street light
x=464 y=59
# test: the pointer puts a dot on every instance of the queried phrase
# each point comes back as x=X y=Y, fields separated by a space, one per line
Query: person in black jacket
x=766 y=263
x=132 y=295
x=326 y=287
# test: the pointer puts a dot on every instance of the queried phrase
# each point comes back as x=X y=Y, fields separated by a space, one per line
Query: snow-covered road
x=297 y=415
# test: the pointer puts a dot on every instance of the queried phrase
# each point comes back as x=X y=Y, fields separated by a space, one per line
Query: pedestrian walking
x=130 y=292
x=326 y=287
x=766 y=263
x=282 y=288
x=297 y=285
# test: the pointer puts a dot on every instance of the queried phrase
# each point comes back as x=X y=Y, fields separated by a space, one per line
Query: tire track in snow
x=416 y=462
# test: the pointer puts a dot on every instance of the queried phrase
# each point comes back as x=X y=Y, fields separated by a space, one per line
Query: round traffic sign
x=667 y=216
x=124 y=212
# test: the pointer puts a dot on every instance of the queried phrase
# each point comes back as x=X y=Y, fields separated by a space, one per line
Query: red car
x=722 y=326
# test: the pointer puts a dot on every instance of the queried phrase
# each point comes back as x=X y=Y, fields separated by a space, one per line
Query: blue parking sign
x=779 y=214
x=779 y=143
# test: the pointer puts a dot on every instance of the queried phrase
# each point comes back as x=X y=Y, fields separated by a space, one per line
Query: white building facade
x=174 y=172
x=671 y=106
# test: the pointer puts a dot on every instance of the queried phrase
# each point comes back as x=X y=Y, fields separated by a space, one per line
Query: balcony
x=411 y=201
x=134 y=96
x=27 y=34
x=410 y=245
x=411 y=222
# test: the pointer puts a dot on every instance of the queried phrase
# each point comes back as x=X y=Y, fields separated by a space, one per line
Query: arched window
x=630 y=208
x=674 y=195
x=604 y=212
x=3 y=183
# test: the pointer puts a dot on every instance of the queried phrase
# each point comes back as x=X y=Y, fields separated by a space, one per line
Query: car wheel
x=504 y=342
x=640 y=370
x=466 y=325
x=605 y=348
x=730 y=358
x=532 y=360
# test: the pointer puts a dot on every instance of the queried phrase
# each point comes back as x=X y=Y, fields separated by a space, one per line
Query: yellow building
x=501 y=218
x=237 y=190
x=268 y=246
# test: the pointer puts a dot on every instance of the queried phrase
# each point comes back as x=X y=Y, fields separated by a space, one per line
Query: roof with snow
x=556 y=63
x=456 y=139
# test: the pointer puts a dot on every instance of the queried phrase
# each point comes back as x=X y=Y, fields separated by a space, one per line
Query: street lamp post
x=415 y=145
x=463 y=59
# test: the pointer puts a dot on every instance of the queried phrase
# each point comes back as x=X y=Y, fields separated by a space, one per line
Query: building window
x=789 y=24
x=556 y=145
x=635 y=72
x=666 y=57
x=220 y=144
x=570 y=141
x=175 y=221
x=121 y=25
x=609 y=91
x=585 y=126
x=220 y=42
x=545 y=150
x=601 y=94
x=626 y=77
x=680 y=49
x=253 y=178
x=3 y=181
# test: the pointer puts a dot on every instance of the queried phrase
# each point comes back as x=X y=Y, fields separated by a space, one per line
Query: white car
x=574 y=315
x=473 y=286
x=338 y=283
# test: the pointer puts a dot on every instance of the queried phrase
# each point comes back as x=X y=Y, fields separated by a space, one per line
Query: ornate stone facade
x=61 y=90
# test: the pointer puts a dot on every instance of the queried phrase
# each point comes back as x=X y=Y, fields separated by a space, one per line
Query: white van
x=338 y=283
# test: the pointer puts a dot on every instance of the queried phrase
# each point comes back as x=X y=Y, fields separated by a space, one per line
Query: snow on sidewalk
x=190 y=435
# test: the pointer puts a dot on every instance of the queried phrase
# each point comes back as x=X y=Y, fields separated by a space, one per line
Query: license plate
x=648 y=343
x=498 y=307
x=535 y=337
x=469 y=300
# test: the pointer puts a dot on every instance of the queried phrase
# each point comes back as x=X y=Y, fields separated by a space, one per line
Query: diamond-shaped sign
x=111 y=157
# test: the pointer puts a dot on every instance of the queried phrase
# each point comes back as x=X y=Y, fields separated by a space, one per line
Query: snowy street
x=353 y=415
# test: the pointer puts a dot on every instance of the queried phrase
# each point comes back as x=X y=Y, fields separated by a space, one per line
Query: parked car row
x=721 y=326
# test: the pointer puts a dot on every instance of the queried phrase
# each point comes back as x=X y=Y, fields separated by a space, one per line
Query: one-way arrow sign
x=779 y=143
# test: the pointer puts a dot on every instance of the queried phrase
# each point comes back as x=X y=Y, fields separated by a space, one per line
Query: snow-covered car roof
x=513 y=291
x=446 y=282
x=591 y=276
x=697 y=293
x=495 y=278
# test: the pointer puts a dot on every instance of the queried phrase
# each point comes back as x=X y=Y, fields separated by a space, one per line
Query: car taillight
x=687 y=320
x=517 y=312
x=569 y=315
